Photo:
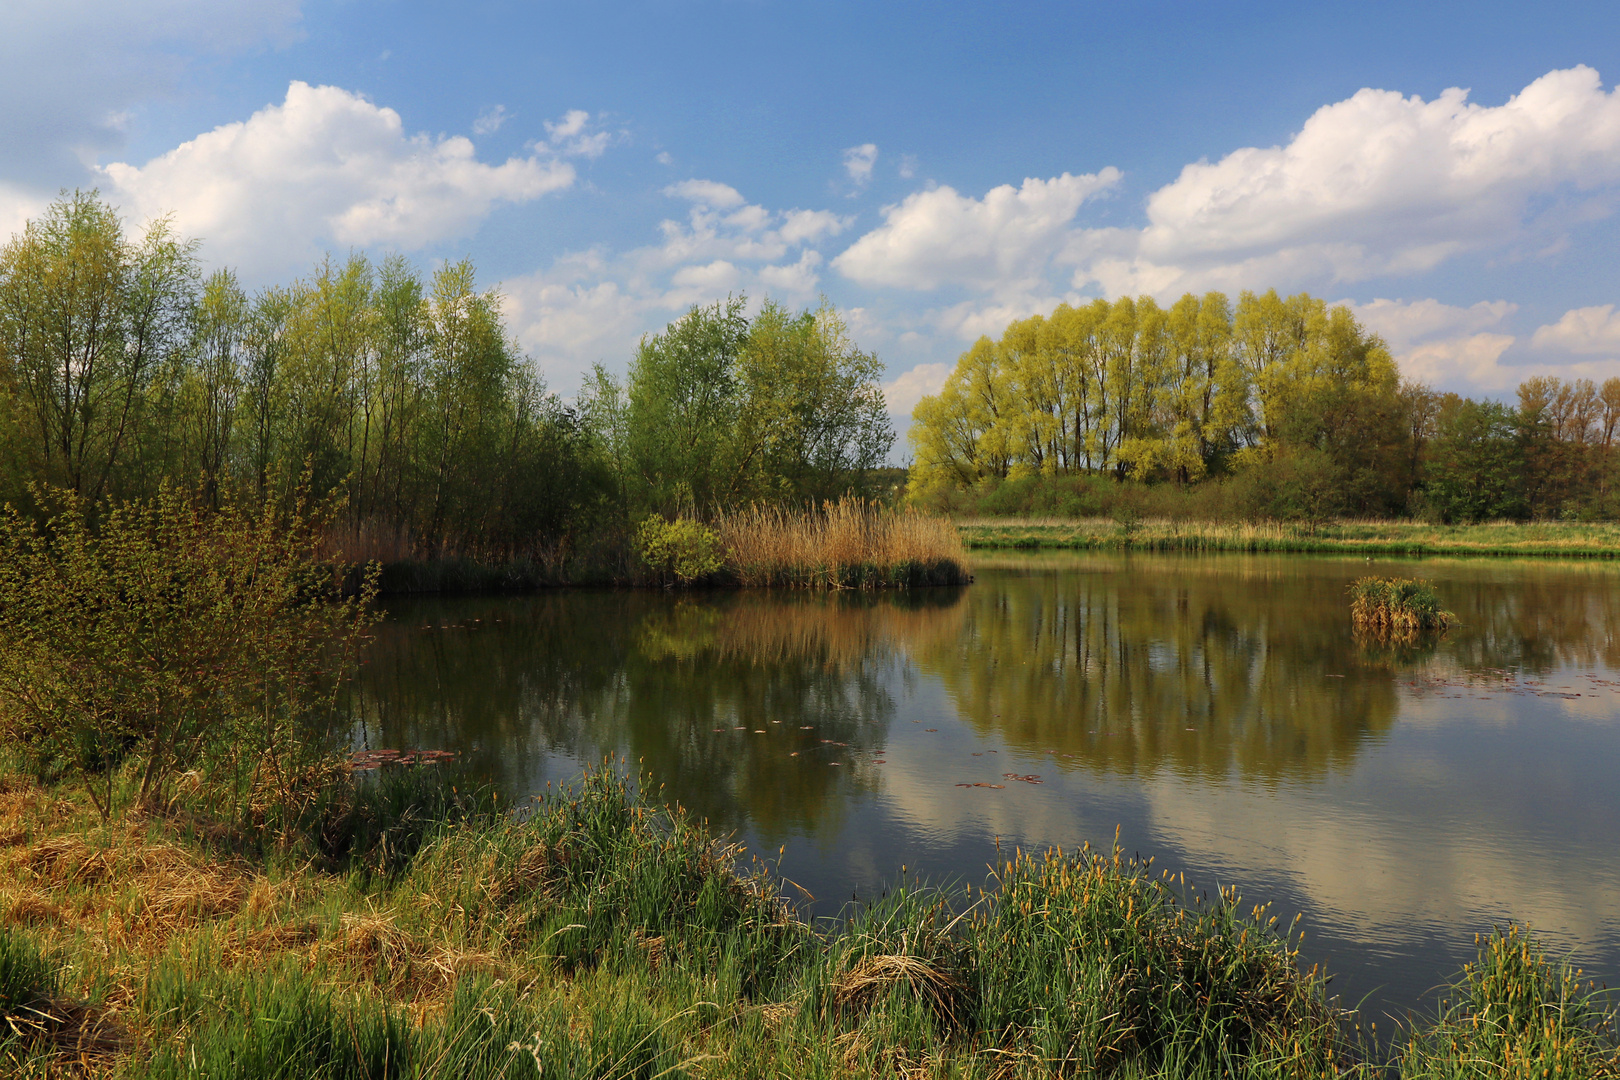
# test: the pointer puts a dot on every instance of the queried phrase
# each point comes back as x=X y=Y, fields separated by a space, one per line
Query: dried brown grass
x=874 y=976
x=851 y=543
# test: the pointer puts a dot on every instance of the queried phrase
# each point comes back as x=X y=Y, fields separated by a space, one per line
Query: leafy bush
x=684 y=549
x=182 y=636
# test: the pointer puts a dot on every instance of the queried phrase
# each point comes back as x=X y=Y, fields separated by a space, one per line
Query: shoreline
x=559 y=940
x=1495 y=540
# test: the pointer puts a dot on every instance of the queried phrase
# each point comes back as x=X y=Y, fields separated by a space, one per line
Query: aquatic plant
x=1396 y=606
x=1517 y=1012
x=848 y=544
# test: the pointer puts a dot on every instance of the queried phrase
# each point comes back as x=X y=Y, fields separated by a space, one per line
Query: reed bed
x=1396 y=607
x=1560 y=539
x=848 y=544
x=597 y=934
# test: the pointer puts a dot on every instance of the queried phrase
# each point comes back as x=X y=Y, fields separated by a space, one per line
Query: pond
x=1217 y=712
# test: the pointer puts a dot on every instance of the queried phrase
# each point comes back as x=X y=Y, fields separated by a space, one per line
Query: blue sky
x=1452 y=170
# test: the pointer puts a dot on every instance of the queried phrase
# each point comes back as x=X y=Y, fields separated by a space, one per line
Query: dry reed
x=846 y=544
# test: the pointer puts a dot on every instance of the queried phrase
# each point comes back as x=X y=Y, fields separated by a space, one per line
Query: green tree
x=87 y=318
x=1473 y=472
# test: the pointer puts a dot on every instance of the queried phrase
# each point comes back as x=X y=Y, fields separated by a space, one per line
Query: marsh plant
x=1396 y=607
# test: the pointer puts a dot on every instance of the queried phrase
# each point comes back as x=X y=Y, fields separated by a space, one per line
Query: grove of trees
x=1289 y=403
x=124 y=367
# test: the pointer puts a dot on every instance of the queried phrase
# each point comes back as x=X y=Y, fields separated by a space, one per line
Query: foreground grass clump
x=1397 y=607
x=1516 y=1012
x=849 y=544
x=596 y=934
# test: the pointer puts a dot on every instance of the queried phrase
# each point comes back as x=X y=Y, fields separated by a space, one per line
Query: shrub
x=172 y=633
x=682 y=549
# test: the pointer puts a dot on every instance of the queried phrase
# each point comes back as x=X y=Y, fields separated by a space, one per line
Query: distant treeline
x=1292 y=408
x=123 y=367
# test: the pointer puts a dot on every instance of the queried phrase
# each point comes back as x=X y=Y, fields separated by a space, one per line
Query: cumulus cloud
x=706 y=193
x=858 y=163
x=572 y=135
x=325 y=166
x=1379 y=184
x=902 y=393
x=999 y=242
x=1584 y=331
x=1470 y=350
x=592 y=306
x=1376 y=185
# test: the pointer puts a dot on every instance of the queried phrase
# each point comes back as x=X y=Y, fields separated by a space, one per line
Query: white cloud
x=1584 y=331
x=17 y=205
x=592 y=305
x=1467 y=349
x=796 y=281
x=706 y=193
x=909 y=387
x=1378 y=184
x=490 y=120
x=858 y=163
x=571 y=136
x=1000 y=242
x=908 y=166
x=325 y=166
x=1375 y=185
x=1402 y=323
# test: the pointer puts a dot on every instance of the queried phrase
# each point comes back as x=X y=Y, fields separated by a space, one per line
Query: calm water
x=1217 y=711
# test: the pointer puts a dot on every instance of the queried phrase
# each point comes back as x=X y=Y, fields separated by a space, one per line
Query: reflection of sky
x=1402 y=809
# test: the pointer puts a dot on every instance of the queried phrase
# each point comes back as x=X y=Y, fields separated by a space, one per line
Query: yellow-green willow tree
x=1130 y=389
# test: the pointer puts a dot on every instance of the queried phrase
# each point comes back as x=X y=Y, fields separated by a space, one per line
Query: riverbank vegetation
x=123 y=368
x=1128 y=533
x=1272 y=408
x=598 y=934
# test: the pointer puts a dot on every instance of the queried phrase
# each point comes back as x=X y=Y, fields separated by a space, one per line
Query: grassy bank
x=1563 y=539
x=594 y=935
x=847 y=544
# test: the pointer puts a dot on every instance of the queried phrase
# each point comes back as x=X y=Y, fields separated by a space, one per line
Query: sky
x=1451 y=171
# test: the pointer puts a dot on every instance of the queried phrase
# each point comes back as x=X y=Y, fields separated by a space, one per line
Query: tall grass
x=1396 y=607
x=848 y=544
x=600 y=934
x=1517 y=1012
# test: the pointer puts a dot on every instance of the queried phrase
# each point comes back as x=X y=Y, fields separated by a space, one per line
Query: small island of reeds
x=1396 y=606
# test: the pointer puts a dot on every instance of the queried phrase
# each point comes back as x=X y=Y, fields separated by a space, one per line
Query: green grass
x=1564 y=539
x=597 y=935
x=1396 y=607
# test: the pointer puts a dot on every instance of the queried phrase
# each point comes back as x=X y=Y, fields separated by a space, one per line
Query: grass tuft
x=1396 y=607
x=1516 y=1012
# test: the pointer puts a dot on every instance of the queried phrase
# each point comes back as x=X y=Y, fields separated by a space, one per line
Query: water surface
x=1218 y=711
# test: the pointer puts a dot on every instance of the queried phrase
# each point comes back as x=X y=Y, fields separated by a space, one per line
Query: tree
x=86 y=319
x=1474 y=469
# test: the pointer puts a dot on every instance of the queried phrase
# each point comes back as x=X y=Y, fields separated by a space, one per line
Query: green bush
x=182 y=636
x=683 y=549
